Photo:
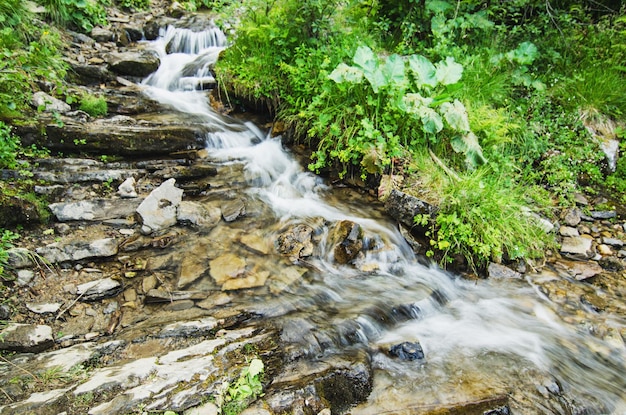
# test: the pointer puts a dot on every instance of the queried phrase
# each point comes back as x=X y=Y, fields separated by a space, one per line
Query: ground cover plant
x=484 y=104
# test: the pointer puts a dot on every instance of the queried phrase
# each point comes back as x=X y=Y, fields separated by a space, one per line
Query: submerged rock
x=349 y=241
x=296 y=242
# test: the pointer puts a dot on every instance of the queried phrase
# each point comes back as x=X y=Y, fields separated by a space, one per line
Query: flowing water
x=480 y=339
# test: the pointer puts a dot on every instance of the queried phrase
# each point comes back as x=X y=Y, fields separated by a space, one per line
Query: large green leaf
x=365 y=59
x=468 y=145
x=394 y=71
x=432 y=122
x=456 y=115
x=423 y=70
x=345 y=73
x=376 y=79
x=448 y=71
x=412 y=102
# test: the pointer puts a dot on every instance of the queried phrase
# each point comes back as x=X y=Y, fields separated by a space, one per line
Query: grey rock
x=100 y=34
x=5 y=312
x=49 y=103
x=208 y=408
x=158 y=210
x=155 y=295
x=19 y=258
x=403 y=207
x=127 y=188
x=613 y=242
x=407 y=351
x=90 y=74
x=572 y=217
x=27 y=338
x=500 y=271
x=610 y=147
x=233 y=209
x=577 y=246
x=48 y=308
x=603 y=214
x=568 y=231
x=139 y=64
x=94 y=210
x=25 y=277
x=99 y=289
x=580 y=270
x=81 y=176
x=77 y=250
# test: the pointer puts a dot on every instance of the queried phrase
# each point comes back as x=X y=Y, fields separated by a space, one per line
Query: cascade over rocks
x=163 y=319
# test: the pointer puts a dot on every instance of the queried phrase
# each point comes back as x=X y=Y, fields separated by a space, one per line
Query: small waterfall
x=489 y=334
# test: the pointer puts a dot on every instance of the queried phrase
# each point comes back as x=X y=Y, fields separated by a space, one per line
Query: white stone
x=127 y=188
x=158 y=210
x=49 y=103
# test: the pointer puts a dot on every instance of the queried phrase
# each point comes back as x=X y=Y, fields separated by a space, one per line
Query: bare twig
x=69 y=306
x=445 y=168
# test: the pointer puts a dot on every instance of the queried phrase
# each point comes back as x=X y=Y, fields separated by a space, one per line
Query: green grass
x=94 y=106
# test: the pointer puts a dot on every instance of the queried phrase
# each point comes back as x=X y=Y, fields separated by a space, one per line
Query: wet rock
x=77 y=250
x=94 y=210
x=26 y=338
x=339 y=382
x=189 y=328
x=296 y=242
x=233 y=209
x=579 y=270
x=196 y=214
x=84 y=74
x=136 y=63
x=49 y=103
x=407 y=351
x=192 y=268
x=500 y=271
x=250 y=279
x=350 y=241
x=127 y=188
x=151 y=30
x=226 y=267
x=578 y=247
x=255 y=243
x=611 y=264
x=596 y=302
x=99 y=289
x=403 y=207
x=158 y=210
x=131 y=34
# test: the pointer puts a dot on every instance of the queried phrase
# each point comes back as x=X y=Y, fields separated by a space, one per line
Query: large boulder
x=28 y=338
x=139 y=64
x=404 y=207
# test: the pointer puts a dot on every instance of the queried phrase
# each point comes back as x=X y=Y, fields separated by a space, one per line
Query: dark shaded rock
x=113 y=138
x=348 y=241
x=5 y=312
x=187 y=172
x=151 y=30
x=99 y=289
x=26 y=338
x=407 y=351
x=139 y=64
x=403 y=207
x=84 y=74
x=100 y=34
x=132 y=33
x=15 y=210
x=611 y=264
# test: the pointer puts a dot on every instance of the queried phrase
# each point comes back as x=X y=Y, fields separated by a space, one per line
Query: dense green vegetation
x=487 y=107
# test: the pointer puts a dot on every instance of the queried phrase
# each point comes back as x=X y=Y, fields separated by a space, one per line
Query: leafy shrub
x=9 y=145
x=246 y=389
x=76 y=14
x=94 y=106
x=135 y=4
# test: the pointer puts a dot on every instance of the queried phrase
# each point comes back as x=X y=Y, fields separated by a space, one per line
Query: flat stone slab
x=99 y=289
x=96 y=209
x=77 y=250
x=577 y=246
x=27 y=338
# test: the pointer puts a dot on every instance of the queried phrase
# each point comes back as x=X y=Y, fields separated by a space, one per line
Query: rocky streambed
x=163 y=273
